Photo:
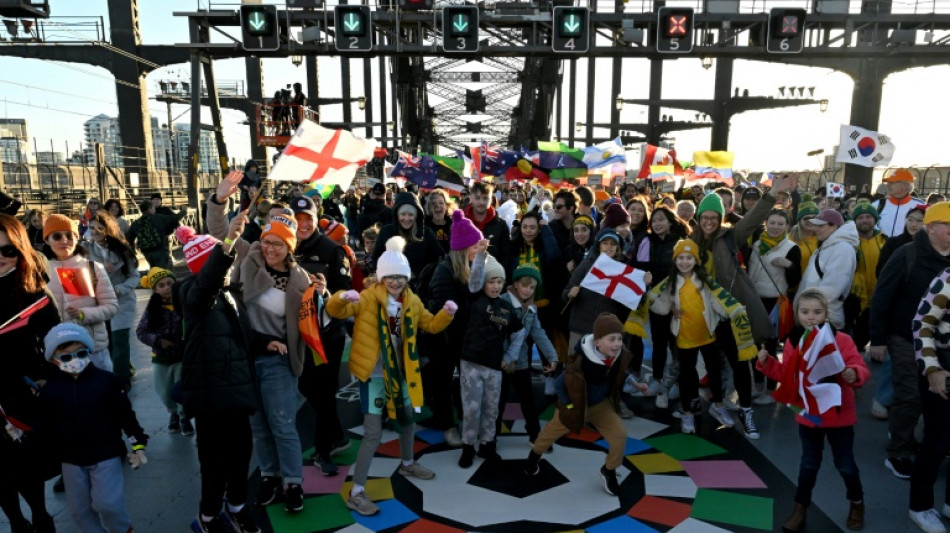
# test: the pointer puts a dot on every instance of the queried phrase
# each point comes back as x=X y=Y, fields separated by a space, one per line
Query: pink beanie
x=464 y=233
x=197 y=248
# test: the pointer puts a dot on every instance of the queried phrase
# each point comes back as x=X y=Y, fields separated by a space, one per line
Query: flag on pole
x=316 y=153
x=716 y=162
x=20 y=319
x=605 y=153
x=867 y=148
x=75 y=281
x=615 y=280
x=656 y=156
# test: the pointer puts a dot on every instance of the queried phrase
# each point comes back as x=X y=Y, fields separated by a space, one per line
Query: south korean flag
x=867 y=148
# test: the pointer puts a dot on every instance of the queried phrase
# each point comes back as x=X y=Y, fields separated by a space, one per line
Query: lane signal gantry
x=674 y=30
x=786 y=31
x=259 y=29
x=354 y=29
x=460 y=29
x=570 y=31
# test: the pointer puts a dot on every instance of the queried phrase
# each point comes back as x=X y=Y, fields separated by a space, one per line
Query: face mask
x=75 y=365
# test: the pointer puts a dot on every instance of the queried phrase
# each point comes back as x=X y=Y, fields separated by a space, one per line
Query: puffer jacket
x=97 y=310
x=837 y=260
x=667 y=302
x=579 y=387
x=366 y=348
x=124 y=285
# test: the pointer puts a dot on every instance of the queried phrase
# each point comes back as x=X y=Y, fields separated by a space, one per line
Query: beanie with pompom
x=463 y=233
x=196 y=248
x=392 y=262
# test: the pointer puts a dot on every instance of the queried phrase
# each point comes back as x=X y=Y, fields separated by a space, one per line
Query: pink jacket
x=786 y=373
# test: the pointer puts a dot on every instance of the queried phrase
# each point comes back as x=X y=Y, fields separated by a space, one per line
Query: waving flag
x=605 y=153
x=656 y=156
x=526 y=170
x=867 y=148
x=615 y=280
x=821 y=359
x=661 y=172
x=317 y=153
x=718 y=162
x=75 y=281
x=404 y=163
x=21 y=319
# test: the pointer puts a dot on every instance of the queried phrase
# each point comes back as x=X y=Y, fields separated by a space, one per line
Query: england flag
x=867 y=148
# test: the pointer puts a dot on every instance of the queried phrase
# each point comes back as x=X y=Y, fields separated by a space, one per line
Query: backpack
x=421 y=284
x=146 y=234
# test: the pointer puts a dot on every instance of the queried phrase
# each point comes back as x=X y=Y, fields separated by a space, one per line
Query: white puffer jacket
x=769 y=280
x=123 y=285
x=838 y=260
x=96 y=310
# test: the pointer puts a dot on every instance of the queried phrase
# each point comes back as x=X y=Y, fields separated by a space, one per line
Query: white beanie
x=493 y=269
x=392 y=262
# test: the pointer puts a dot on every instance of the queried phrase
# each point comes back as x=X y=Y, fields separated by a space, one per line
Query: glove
x=137 y=459
x=14 y=432
x=450 y=307
x=350 y=296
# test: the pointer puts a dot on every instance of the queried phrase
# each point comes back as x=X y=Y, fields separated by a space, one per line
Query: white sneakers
x=721 y=414
x=928 y=521
x=688 y=424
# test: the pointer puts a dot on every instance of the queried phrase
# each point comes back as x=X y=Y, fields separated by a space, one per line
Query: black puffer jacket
x=218 y=371
x=320 y=254
x=419 y=253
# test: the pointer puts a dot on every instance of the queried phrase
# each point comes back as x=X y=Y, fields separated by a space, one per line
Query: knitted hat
x=283 y=228
x=584 y=220
x=806 y=209
x=609 y=233
x=601 y=195
x=939 y=212
x=605 y=324
x=155 y=275
x=901 y=174
x=616 y=215
x=392 y=262
x=56 y=223
x=686 y=246
x=864 y=207
x=196 y=248
x=66 y=333
x=828 y=216
x=464 y=233
x=333 y=229
x=526 y=270
x=711 y=202
x=493 y=269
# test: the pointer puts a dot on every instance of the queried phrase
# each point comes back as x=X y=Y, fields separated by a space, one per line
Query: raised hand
x=229 y=185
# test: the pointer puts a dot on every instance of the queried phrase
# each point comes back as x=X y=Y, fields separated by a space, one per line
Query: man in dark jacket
x=218 y=384
x=893 y=308
x=153 y=240
x=483 y=215
x=373 y=208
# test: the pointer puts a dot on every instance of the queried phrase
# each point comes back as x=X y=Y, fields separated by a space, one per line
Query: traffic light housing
x=786 y=32
x=259 y=28
x=354 y=28
x=412 y=5
x=570 y=31
x=460 y=28
x=674 y=30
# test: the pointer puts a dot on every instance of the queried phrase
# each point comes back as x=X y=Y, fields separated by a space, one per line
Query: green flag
x=552 y=146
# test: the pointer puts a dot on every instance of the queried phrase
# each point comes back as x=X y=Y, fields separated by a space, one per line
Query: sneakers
x=878 y=411
x=327 y=467
x=187 y=429
x=468 y=456
x=271 y=488
x=361 y=503
x=293 y=498
x=764 y=399
x=625 y=411
x=946 y=510
x=928 y=521
x=216 y=525
x=748 y=423
x=531 y=445
x=531 y=466
x=688 y=423
x=611 y=484
x=416 y=470
x=452 y=437
x=720 y=413
x=339 y=446
x=674 y=393
x=486 y=451
x=241 y=521
x=662 y=400
x=901 y=467
x=174 y=424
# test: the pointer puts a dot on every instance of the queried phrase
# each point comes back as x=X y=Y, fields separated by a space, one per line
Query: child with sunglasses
x=86 y=410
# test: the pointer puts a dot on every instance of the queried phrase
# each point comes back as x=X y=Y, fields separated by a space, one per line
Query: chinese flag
x=75 y=281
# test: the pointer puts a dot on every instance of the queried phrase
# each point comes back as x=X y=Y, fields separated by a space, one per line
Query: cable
x=6 y=101
x=94 y=74
x=59 y=92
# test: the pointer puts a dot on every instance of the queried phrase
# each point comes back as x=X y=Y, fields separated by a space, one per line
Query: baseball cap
x=303 y=204
x=828 y=216
x=379 y=188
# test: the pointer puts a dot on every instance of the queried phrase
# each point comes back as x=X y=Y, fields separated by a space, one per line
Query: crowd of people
x=445 y=299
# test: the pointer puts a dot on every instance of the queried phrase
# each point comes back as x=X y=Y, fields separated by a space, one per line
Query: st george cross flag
x=821 y=359
x=615 y=280
x=75 y=281
x=867 y=148
x=605 y=153
x=717 y=162
x=656 y=156
x=317 y=153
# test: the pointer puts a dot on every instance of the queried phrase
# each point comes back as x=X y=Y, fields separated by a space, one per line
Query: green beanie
x=711 y=202
x=527 y=269
x=864 y=207
x=806 y=209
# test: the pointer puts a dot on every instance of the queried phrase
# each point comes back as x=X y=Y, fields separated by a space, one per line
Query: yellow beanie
x=686 y=246
x=155 y=275
x=939 y=212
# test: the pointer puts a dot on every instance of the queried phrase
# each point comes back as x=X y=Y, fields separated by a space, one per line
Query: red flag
x=20 y=319
x=75 y=281
x=656 y=156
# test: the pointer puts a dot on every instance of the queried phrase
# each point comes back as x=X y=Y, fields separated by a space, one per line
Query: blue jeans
x=885 y=385
x=95 y=496
x=841 y=440
x=276 y=441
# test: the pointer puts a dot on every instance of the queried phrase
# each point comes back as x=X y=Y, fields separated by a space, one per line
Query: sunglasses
x=9 y=251
x=78 y=354
x=558 y=207
x=59 y=235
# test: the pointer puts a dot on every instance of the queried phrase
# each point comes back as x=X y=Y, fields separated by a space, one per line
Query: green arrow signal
x=461 y=23
x=352 y=22
x=572 y=23
x=258 y=20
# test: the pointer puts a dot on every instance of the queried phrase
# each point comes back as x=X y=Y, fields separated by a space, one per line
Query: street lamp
x=297 y=60
x=823 y=105
x=578 y=126
x=619 y=103
x=707 y=62
x=361 y=102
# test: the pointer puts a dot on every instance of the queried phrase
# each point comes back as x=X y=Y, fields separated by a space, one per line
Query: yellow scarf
x=766 y=242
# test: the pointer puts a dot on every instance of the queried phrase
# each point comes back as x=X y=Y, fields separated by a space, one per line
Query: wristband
x=228 y=241
x=138 y=447
x=82 y=316
x=569 y=406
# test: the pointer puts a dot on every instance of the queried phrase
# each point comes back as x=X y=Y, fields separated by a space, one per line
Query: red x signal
x=789 y=25
x=676 y=25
